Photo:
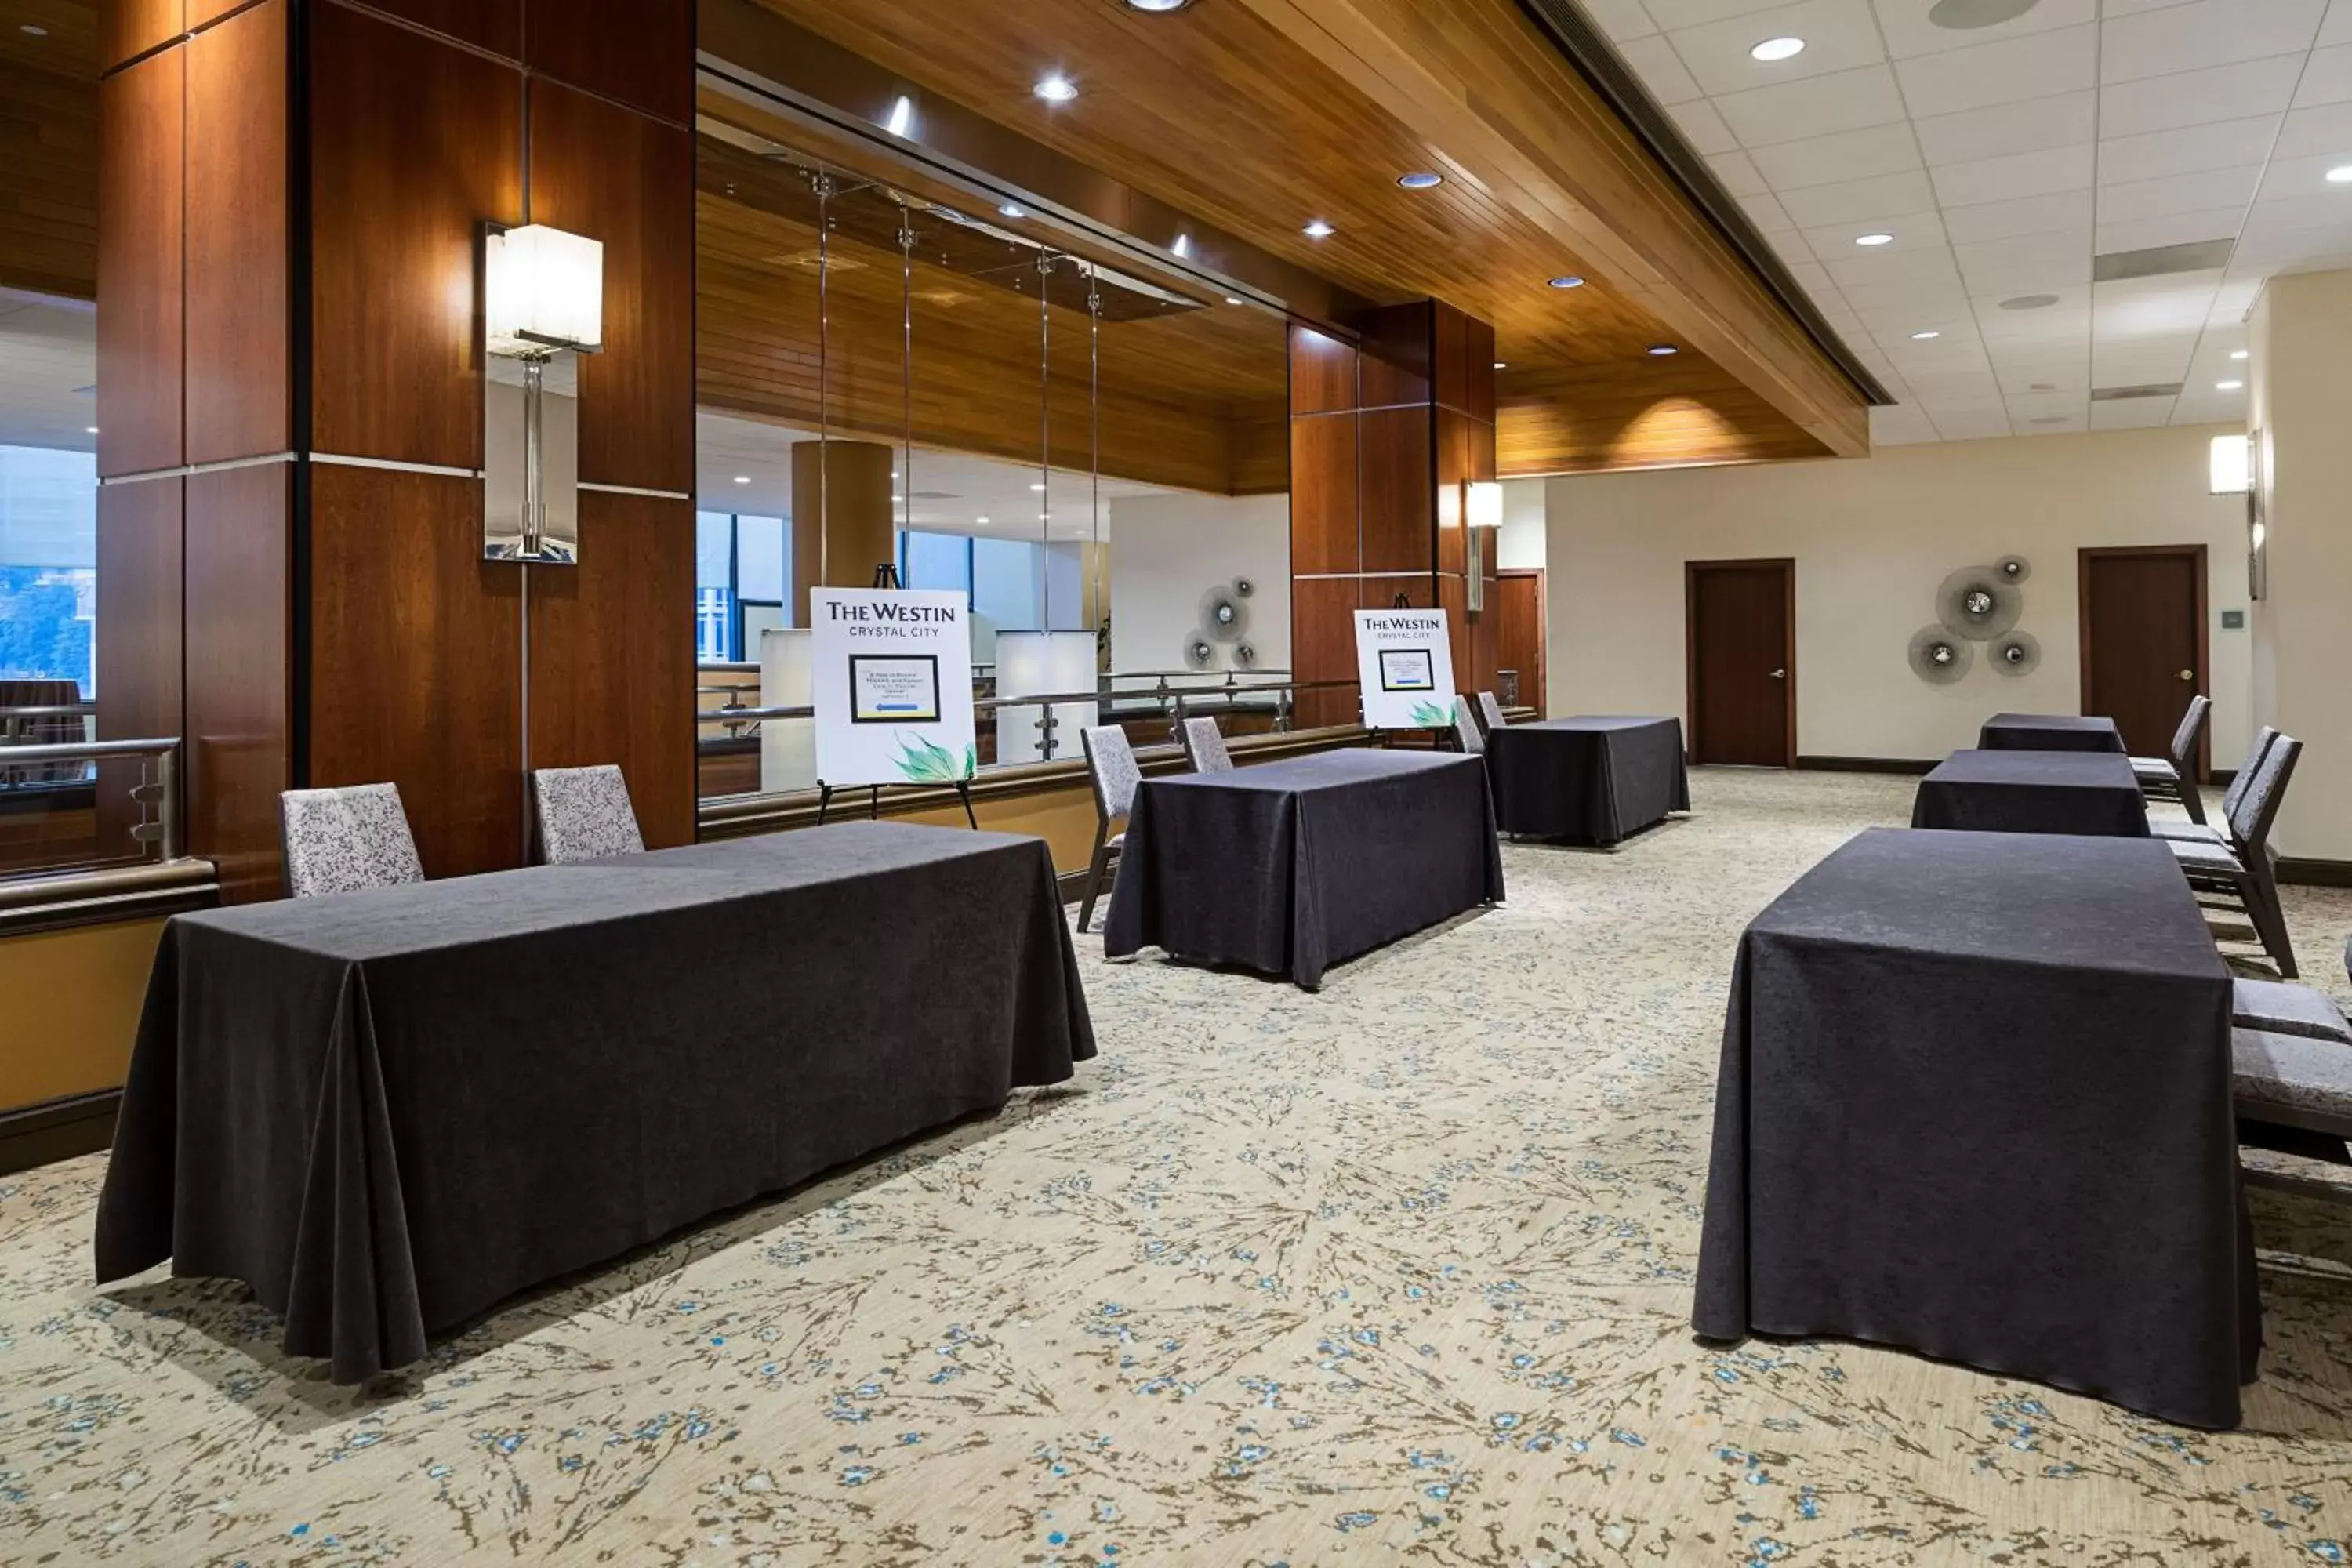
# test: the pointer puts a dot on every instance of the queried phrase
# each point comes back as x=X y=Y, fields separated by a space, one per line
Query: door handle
x=2188 y=675
x=1780 y=675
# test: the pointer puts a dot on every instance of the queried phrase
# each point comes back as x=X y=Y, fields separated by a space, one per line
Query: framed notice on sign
x=891 y=686
x=894 y=688
x=1404 y=662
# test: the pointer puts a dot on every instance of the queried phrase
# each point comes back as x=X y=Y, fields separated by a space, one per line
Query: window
x=742 y=577
x=48 y=566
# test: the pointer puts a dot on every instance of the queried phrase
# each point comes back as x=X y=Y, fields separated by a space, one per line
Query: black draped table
x=1595 y=778
x=1289 y=866
x=1975 y=1102
x=2093 y=792
x=2050 y=732
x=388 y=1111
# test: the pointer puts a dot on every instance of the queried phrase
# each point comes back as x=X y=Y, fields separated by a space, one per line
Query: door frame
x=1543 y=629
x=1787 y=567
x=2196 y=556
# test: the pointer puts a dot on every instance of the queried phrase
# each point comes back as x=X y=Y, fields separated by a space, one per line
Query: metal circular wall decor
x=1244 y=587
x=1199 y=652
x=1223 y=616
x=2016 y=653
x=2013 y=568
x=1977 y=603
x=1245 y=656
x=1938 y=656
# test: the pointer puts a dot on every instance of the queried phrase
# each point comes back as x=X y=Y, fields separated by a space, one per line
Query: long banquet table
x=1974 y=1100
x=2049 y=732
x=1597 y=779
x=388 y=1111
x=1290 y=867
x=2092 y=793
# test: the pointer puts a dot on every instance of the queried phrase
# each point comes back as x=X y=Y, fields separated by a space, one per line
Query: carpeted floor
x=1396 y=1273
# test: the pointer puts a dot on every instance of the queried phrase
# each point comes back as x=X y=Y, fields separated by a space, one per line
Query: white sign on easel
x=893 y=687
x=1406 y=663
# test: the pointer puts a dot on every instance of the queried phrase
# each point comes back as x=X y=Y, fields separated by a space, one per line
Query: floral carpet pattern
x=1399 y=1272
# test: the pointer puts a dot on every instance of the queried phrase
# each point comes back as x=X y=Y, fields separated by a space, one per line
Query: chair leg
x=2263 y=906
x=1095 y=869
x=2192 y=800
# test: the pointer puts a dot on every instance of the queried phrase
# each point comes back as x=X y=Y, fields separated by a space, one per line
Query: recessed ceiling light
x=1923 y=337
x=1232 y=299
x=1056 y=89
x=1319 y=229
x=742 y=478
x=981 y=520
x=2228 y=385
x=90 y=429
x=1500 y=366
x=1157 y=7
x=1182 y=246
x=902 y=116
x=1662 y=350
x=1873 y=239
x=1039 y=490
x=2237 y=353
x=1422 y=180
x=1570 y=281
x=2340 y=176
x=2029 y=302
x=1959 y=14
x=1777 y=50
x=1013 y=209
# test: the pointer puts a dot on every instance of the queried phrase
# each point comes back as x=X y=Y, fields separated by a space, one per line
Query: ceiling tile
x=2016 y=175
x=2033 y=215
x=1738 y=175
x=2062 y=245
x=2326 y=78
x=1660 y=69
x=2305 y=179
x=1703 y=127
x=1848 y=101
x=1767 y=215
x=1697 y=13
x=1900 y=426
x=2044 y=278
x=2315 y=132
x=2157 y=154
x=2030 y=126
x=2032 y=66
x=1918 y=251
x=2183 y=194
x=2131 y=413
x=2213 y=32
x=1972 y=424
x=1861 y=202
x=1839 y=35
x=1908 y=30
x=2337 y=28
x=1826 y=160
x=2173 y=228
x=2201 y=97
x=1621 y=19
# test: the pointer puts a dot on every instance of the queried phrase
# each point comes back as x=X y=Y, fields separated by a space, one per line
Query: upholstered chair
x=585 y=814
x=346 y=840
x=2174 y=778
x=1112 y=767
x=1490 y=712
x=1204 y=746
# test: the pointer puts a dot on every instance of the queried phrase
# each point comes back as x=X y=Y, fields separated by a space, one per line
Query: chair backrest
x=1490 y=708
x=1110 y=763
x=2251 y=823
x=2246 y=772
x=1205 y=746
x=2184 y=739
x=346 y=840
x=1466 y=728
x=585 y=814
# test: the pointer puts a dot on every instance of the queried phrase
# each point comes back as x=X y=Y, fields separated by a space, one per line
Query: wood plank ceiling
x=1221 y=110
x=48 y=147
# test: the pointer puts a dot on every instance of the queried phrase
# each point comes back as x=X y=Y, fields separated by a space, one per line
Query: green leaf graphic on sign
x=1430 y=716
x=924 y=762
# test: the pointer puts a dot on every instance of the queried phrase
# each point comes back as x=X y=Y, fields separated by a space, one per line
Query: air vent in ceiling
x=2158 y=260
x=2148 y=389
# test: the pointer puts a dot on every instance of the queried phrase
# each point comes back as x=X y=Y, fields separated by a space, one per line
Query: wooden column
x=1385 y=433
x=841 y=517
x=290 y=352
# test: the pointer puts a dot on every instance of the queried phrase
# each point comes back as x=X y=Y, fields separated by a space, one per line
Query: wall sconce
x=542 y=306
x=1482 y=509
x=2227 y=467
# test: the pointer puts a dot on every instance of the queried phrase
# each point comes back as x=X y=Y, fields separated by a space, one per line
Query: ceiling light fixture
x=90 y=429
x=2029 y=302
x=2340 y=176
x=1421 y=180
x=1500 y=366
x=980 y=521
x=1157 y=7
x=1056 y=89
x=1570 y=281
x=2237 y=353
x=1923 y=337
x=1319 y=229
x=1182 y=249
x=1038 y=490
x=1012 y=209
x=902 y=116
x=1873 y=239
x=1772 y=49
x=1232 y=299
x=1662 y=350
x=2229 y=386
x=742 y=478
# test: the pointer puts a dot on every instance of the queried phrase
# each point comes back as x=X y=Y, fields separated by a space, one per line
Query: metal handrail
x=1031 y=700
x=163 y=792
x=51 y=710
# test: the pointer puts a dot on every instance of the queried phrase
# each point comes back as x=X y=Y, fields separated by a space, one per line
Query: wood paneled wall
x=1383 y=436
x=291 y=216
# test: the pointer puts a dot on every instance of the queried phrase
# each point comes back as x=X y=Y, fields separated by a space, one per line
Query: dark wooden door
x=1741 y=634
x=2144 y=643
x=1519 y=631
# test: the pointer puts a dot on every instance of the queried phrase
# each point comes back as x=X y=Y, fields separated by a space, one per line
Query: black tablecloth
x=2093 y=792
x=1595 y=778
x=1975 y=1100
x=2049 y=732
x=1289 y=866
x=388 y=1111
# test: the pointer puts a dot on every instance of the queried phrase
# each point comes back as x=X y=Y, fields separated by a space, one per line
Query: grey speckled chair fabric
x=1490 y=712
x=2202 y=833
x=1466 y=729
x=1204 y=746
x=2277 y=1008
x=1111 y=765
x=2174 y=778
x=2292 y=1080
x=346 y=840
x=585 y=814
x=2247 y=874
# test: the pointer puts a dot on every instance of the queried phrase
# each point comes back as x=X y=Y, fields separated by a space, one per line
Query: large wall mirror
x=937 y=390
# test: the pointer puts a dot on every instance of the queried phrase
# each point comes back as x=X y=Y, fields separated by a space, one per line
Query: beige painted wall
x=1873 y=538
x=2300 y=387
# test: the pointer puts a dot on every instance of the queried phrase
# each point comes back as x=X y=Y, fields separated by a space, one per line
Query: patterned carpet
x=1396 y=1273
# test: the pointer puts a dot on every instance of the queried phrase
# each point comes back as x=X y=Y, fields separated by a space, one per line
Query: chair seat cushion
x=2290 y=1072
x=2189 y=831
x=2156 y=768
x=2275 y=1007
x=2207 y=858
